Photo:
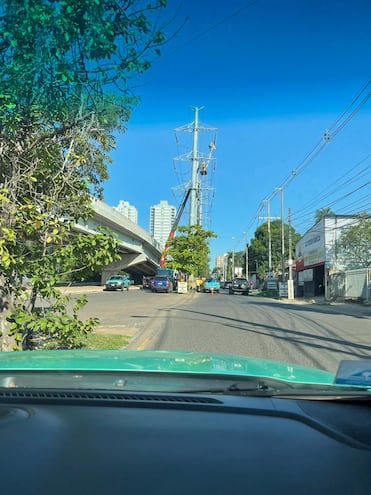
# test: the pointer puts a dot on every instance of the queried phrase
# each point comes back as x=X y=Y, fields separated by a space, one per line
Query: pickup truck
x=239 y=286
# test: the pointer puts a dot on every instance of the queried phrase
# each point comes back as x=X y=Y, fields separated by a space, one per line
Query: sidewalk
x=345 y=307
x=85 y=289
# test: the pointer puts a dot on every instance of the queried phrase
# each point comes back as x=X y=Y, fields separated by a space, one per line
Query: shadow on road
x=343 y=308
x=292 y=336
x=340 y=308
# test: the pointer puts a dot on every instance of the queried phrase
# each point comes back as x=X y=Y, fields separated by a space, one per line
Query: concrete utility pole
x=268 y=218
x=247 y=256
x=269 y=236
x=290 y=285
x=282 y=236
x=202 y=168
x=194 y=215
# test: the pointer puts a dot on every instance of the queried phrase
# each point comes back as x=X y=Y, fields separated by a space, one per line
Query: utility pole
x=202 y=167
x=193 y=199
x=290 y=284
x=268 y=218
x=282 y=237
x=247 y=257
x=269 y=236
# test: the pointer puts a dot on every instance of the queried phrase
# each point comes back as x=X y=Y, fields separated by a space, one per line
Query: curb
x=89 y=289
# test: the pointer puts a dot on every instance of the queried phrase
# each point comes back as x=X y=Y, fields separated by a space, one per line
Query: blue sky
x=272 y=76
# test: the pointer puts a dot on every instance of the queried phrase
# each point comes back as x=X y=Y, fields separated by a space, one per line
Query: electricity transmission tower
x=200 y=175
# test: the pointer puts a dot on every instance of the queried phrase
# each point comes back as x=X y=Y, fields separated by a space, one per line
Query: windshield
x=220 y=147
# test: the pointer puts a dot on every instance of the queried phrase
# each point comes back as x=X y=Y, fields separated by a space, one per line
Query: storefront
x=316 y=255
x=310 y=264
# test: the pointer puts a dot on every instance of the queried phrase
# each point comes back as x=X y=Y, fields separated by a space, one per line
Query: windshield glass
x=220 y=147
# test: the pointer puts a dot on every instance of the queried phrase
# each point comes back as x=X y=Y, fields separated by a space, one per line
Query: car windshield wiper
x=285 y=390
x=250 y=387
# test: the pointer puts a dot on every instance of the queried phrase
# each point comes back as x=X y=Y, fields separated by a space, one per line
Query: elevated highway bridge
x=140 y=252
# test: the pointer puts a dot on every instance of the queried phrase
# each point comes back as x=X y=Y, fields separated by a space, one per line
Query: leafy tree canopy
x=189 y=250
x=322 y=213
x=66 y=68
x=354 y=245
x=259 y=251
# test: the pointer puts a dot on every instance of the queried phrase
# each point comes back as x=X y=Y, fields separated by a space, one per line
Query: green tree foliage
x=322 y=213
x=354 y=245
x=234 y=259
x=189 y=250
x=258 y=250
x=66 y=69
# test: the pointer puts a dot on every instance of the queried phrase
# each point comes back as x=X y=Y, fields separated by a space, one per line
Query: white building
x=162 y=217
x=129 y=211
x=220 y=261
x=318 y=256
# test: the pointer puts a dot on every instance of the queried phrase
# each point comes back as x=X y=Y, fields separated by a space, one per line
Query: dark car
x=225 y=284
x=239 y=286
x=161 y=284
x=147 y=282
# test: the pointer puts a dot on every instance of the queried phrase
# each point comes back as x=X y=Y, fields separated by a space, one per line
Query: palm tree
x=322 y=212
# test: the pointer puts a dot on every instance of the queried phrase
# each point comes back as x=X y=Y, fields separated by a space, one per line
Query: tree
x=322 y=213
x=354 y=244
x=189 y=251
x=235 y=259
x=258 y=250
x=66 y=68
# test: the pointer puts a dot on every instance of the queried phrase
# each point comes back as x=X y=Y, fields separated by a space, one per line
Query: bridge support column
x=128 y=261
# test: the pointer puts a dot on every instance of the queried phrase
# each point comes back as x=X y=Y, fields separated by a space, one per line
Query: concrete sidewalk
x=350 y=308
x=85 y=289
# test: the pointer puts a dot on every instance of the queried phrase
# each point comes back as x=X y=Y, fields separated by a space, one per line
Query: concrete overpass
x=140 y=252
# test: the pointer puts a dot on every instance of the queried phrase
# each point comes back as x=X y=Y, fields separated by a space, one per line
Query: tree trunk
x=6 y=305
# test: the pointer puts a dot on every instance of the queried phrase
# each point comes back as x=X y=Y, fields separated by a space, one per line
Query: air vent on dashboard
x=78 y=395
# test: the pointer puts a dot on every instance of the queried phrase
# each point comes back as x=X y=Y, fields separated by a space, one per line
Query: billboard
x=310 y=250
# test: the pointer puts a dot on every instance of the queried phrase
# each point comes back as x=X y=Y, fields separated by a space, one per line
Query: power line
x=327 y=136
x=337 y=126
x=327 y=193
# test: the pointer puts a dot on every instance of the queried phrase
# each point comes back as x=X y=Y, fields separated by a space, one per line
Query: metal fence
x=351 y=284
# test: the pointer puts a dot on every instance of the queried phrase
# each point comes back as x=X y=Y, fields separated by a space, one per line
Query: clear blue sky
x=273 y=76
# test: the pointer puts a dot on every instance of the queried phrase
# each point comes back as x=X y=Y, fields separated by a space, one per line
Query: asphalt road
x=308 y=334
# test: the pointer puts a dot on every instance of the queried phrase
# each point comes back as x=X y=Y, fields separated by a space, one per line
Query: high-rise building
x=129 y=211
x=220 y=261
x=162 y=217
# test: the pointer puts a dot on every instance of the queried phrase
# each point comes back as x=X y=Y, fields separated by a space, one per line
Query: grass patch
x=105 y=341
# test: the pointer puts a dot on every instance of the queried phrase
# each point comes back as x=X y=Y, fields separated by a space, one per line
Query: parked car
x=210 y=285
x=117 y=282
x=239 y=286
x=225 y=284
x=161 y=283
x=147 y=282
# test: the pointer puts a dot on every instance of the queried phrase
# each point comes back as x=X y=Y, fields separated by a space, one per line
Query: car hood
x=162 y=361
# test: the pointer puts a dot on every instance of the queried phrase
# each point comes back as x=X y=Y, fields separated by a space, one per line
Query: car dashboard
x=101 y=442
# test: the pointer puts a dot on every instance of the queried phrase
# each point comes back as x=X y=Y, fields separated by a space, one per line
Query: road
x=308 y=334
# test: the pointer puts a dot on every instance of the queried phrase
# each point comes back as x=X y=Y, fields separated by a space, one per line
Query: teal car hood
x=162 y=361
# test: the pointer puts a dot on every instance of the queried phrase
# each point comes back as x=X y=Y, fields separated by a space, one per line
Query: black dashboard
x=76 y=442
